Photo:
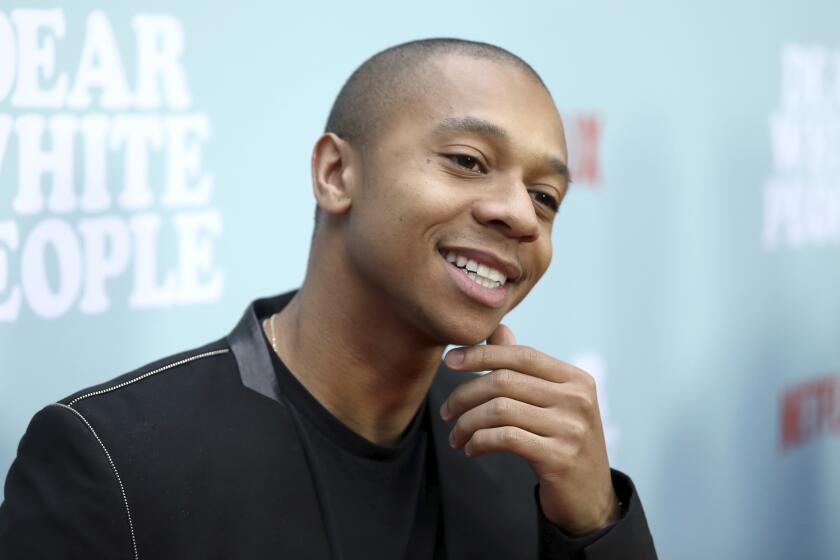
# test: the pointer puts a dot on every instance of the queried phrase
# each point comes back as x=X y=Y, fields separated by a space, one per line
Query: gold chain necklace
x=272 y=336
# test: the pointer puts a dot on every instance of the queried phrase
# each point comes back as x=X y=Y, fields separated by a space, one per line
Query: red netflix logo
x=584 y=131
x=809 y=410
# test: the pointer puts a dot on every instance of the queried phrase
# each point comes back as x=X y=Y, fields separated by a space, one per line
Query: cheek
x=414 y=202
x=394 y=219
x=543 y=259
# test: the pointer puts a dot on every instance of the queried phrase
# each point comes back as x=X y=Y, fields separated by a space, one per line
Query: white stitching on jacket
x=116 y=473
x=69 y=407
x=149 y=374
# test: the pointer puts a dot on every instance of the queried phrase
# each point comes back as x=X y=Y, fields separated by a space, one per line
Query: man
x=325 y=426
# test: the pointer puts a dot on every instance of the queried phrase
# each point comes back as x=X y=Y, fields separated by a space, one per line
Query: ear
x=334 y=172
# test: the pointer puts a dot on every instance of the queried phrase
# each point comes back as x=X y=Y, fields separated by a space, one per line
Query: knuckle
x=481 y=354
x=477 y=440
x=584 y=400
x=526 y=355
x=500 y=407
x=578 y=443
x=588 y=380
x=578 y=431
x=509 y=436
x=502 y=379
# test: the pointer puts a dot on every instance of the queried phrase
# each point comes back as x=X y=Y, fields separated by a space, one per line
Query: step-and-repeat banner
x=154 y=178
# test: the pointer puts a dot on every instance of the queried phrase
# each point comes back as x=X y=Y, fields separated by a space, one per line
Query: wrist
x=582 y=522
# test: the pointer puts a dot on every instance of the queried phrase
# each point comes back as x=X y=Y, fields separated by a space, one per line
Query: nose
x=509 y=208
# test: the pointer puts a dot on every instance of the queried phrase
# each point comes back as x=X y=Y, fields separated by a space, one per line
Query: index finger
x=502 y=336
x=523 y=359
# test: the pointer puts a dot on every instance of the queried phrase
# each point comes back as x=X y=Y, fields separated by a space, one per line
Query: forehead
x=498 y=92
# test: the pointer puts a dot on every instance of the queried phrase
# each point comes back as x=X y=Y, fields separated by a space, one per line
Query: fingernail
x=451 y=439
x=444 y=411
x=454 y=357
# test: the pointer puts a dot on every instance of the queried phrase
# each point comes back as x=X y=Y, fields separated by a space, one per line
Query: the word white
x=47 y=149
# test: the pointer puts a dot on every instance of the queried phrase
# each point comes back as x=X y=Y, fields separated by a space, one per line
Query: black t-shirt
x=378 y=502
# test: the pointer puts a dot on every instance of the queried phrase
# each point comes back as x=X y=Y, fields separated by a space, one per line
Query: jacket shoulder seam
x=135 y=555
x=149 y=374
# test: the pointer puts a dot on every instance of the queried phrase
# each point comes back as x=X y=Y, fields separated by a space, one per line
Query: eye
x=470 y=163
x=546 y=200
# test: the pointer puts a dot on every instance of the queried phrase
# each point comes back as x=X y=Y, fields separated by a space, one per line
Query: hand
x=543 y=410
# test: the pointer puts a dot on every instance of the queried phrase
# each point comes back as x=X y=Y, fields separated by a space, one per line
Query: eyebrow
x=481 y=127
x=472 y=125
x=560 y=167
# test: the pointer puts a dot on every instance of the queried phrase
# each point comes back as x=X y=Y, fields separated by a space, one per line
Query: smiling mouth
x=481 y=274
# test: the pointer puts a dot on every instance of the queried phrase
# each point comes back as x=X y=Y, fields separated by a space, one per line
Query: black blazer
x=198 y=456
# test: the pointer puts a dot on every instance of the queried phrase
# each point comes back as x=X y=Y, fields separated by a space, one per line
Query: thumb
x=502 y=336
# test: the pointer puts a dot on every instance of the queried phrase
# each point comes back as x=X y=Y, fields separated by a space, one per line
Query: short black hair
x=375 y=88
x=367 y=98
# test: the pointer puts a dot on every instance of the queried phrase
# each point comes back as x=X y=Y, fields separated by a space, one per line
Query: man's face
x=452 y=224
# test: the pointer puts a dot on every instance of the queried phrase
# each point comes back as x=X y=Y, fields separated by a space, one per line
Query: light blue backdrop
x=696 y=260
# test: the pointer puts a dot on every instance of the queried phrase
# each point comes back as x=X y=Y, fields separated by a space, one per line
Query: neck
x=370 y=369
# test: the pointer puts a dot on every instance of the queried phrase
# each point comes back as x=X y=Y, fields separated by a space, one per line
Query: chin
x=464 y=332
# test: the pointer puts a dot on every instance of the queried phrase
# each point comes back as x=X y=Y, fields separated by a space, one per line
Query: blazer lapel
x=303 y=525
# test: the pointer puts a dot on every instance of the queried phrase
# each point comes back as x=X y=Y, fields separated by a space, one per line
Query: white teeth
x=479 y=273
x=482 y=281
